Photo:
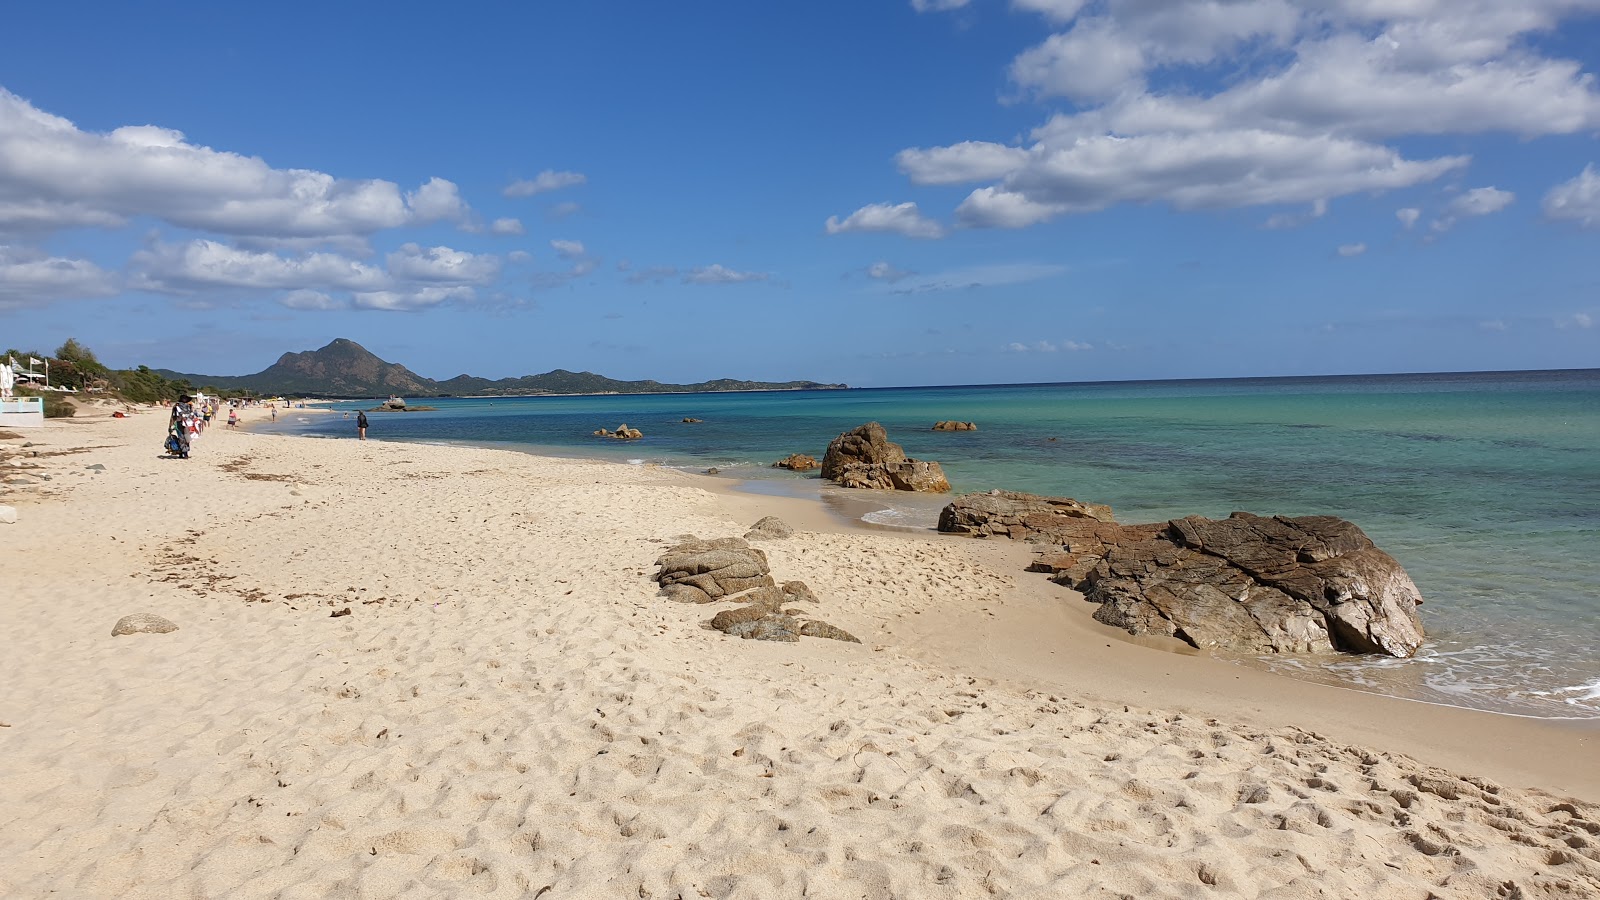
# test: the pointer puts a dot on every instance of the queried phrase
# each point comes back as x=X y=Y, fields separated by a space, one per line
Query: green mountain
x=344 y=368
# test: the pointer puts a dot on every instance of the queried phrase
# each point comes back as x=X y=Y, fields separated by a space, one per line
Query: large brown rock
x=1028 y=517
x=798 y=462
x=954 y=426
x=865 y=458
x=697 y=571
x=1257 y=585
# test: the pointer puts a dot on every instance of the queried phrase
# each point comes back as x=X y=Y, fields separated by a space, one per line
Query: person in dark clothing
x=361 y=425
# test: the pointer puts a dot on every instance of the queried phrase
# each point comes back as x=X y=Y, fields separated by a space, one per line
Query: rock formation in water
x=623 y=433
x=798 y=462
x=866 y=458
x=1249 y=584
x=954 y=426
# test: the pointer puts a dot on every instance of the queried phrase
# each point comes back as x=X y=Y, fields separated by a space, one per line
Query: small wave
x=900 y=518
x=635 y=462
x=1578 y=693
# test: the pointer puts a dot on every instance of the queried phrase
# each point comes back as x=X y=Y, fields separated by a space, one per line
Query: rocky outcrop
x=769 y=528
x=1247 y=583
x=1027 y=517
x=954 y=426
x=1257 y=585
x=142 y=623
x=690 y=420
x=798 y=462
x=765 y=618
x=395 y=403
x=623 y=433
x=697 y=571
x=866 y=458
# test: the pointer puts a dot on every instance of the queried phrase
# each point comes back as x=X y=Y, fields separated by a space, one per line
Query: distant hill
x=344 y=368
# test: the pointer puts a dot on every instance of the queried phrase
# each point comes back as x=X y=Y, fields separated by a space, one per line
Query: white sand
x=511 y=710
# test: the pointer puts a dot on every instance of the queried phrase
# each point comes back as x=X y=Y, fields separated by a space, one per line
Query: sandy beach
x=510 y=708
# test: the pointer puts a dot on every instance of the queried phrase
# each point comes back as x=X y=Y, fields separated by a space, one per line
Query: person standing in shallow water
x=361 y=425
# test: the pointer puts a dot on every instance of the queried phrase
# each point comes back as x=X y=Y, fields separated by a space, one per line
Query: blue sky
x=881 y=192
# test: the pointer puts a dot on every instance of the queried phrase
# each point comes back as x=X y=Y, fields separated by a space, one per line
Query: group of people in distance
x=189 y=420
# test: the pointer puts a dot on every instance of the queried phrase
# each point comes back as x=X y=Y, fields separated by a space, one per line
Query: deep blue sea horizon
x=1485 y=486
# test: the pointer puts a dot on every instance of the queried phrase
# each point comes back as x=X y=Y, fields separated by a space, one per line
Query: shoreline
x=849 y=507
x=509 y=684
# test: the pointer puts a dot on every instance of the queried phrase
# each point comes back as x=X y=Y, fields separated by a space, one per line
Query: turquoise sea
x=1485 y=486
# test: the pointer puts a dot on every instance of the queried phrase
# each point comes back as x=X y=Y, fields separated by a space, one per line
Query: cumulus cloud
x=29 y=277
x=442 y=264
x=1576 y=201
x=1482 y=201
x=568 y=249
x=717 y=273
x=544 y=182
x=1349 y=250
x=507 y=226
x=1230 y=103
x=519 y=256
x=1408 y=216
x=903 y=218
x=206 y=264
x=411 y=299
x=54 y=175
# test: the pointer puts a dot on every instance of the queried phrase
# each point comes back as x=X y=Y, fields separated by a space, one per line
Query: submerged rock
x=798 y=462
x=864 y=457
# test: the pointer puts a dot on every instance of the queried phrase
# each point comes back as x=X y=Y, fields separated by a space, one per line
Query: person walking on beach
x=233 y=418
x=361 y=425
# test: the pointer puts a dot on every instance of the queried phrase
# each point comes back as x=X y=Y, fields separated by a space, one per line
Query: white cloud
x=54 y=175
x=1319 y=208
x=544 y=182
x=1577 y=200
x=1231 y=103
x=1349 y=250
x=1481 y=202
x=412 y=298
x=442 y=265
x=1049 y=347
x=717 y=273
x=519 y=256
x=507 y=226
x=568 y=249
x=201 y=264
x=1408 y=217
x=1582 y=320
x=1476 y=202
x=884 y=217
x=28 y=277
x=937 y=5
x=883 y=271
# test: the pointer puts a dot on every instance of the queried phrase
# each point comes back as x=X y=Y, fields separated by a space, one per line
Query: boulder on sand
x=864 y=457
x=697 y=571
x=142 y=623
x=1258 y=585
x=764 y=617
x=1026 y=517
x=769 y=528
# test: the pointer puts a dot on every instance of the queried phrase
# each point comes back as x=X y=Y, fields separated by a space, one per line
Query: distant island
x=344 y=368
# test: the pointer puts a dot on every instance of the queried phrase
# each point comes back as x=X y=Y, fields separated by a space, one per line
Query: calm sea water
x=1486 y=487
